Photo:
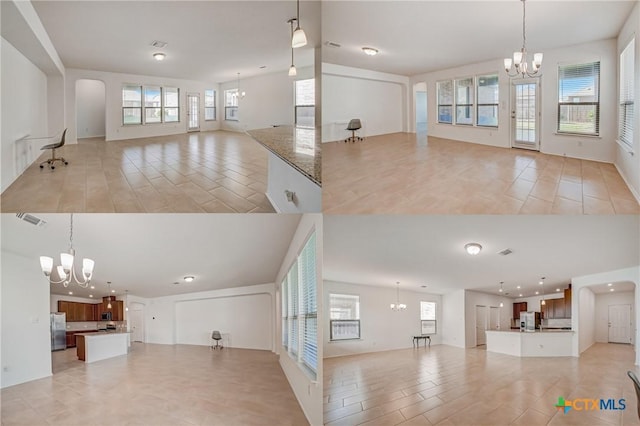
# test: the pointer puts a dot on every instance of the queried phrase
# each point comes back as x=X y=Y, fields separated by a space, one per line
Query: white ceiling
x=414 y=37
x=207 y=40
x=429 y=250
x=146 y=254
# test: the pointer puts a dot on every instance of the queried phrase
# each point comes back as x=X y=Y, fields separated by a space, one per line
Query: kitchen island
x=294 y=176
x=546 y=343
x=97 y=346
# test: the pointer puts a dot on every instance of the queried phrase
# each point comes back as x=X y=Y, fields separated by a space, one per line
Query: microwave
x=106 y=316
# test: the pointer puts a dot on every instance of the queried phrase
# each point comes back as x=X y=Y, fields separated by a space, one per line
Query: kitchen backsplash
x=557 y=322
x=93 y=325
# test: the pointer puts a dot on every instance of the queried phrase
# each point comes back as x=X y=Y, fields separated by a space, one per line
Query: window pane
x=444 y=114
x=427 y=310
x=344 y=329
x=488 y=89
x=463 y=115
x=209 y=113
x=171 y=115
x=152 y=115
x=445 y=93
x=305 y=92
x=231 y=113
x=578 y=118
x=488 y=115
x=579 y=83
x=627 y=94
x=152 y=97
x=209 y=98
x=305 y=116
x=171 y=96
x=428 y=327
x=464 y=91
x=344 y=307
x=132 y=115
x=231 y=97
x=132 y=96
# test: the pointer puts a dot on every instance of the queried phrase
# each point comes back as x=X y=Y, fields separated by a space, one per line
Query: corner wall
x=586 y=318
x=473 y=298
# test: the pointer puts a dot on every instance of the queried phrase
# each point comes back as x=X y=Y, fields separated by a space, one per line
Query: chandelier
x=66 y=271
x=519 y=61
x=398 y=306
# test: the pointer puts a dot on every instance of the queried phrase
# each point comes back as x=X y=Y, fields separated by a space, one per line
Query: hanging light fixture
x=109 y=304
x=292 y=69
x=299 y=38
x=542 y=284
x=398 y=306
x=66 y=271
x=126 y=300
x=519 y=61
x=501 y=289
x=240 y=94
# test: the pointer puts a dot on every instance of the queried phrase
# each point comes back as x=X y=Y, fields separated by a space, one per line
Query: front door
x=136 y=322
x=619 y=323
x=494 y=318
x=525 y=115
x=193 y=112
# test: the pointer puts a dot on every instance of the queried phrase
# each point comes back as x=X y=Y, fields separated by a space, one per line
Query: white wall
x=586 y=318
x=24 y=113
x=308 y=390
x=379 y=100
x=381 y=329
x=26 y=338
x=599 y=149
x=474 y=298
x=269 y=100
x=602 y=313
x=90 y=108
x=113 y=82
x=245 y=321
x=453 y=322
x=629 y=164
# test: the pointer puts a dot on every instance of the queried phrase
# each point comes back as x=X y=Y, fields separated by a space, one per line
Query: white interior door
x=481 y=325
x=525 y=113
x=494 y=318
x=136 y=323
x=619 y=323
x=193 y=112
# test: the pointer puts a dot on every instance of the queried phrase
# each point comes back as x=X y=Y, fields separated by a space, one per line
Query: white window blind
x=428 y=317
x=285 y=312
x=171 y=104
x=627 y=75
x=579 y=98
x=445 y=101
x=464 y=101
x=309 y=308
x=294 y=305
x=209 y=105
x=344 y=316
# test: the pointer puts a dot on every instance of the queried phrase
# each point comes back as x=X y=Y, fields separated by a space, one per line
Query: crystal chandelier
x=398 y=306
x=66 y=271
x=519 y=61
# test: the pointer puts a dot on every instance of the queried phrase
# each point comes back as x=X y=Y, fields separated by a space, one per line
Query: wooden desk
x=418 y=338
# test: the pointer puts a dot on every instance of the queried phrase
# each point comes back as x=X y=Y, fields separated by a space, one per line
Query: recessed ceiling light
x=91 y=295
x=113 y=291
x=189 y=278
x=370 y=51
x=473 y=248
x=520 y=295
x=93 y=287
x=610 y=289
x=557 y=289
x=70 y=292
x=609 y=285
x=537 y=292
x=518 y=287
x=159 y=56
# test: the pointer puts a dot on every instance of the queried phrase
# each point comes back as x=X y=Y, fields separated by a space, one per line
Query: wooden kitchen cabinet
x=517 y=308
x=567 y=302
x=558 y=308
x=76 y=311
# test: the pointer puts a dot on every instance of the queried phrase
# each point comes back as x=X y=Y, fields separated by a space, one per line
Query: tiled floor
x=450 y=386
x=213 y=172
x=406 y=173
x=158 y=385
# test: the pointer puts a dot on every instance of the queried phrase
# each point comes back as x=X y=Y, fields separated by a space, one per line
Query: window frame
x=296 y=105
x=626 y=119
x=215 y=117
x=336 y=321
x=478 y=104
x=439 y=105
x=470 y=106
x=591 y=103
x=140 y=108
x=165 y=107
x=429 y=321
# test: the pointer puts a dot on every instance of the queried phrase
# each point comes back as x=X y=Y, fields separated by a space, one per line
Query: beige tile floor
x=212 y=172
x=158 y=385
x=444 y=385
x=408 y=173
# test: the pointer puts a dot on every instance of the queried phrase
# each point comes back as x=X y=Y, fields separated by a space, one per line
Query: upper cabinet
x=76 y=311
x=557 y=308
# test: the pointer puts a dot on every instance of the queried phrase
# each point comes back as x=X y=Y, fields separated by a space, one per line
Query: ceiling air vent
x=331 y=44
x=158 y=44
x=505 y=252
x=31 y=219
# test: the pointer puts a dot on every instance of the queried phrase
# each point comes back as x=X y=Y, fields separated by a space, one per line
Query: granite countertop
x=297 y=146
x=546 y=330
x=102 y=333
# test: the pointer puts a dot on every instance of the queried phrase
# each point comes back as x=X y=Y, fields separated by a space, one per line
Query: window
x=231 y=105
x=132 y=104
x=171 y=104
x=579 y=99
x=305 y=102
x=445 y=101
x=209 y=105
x=428 y=317
x=625 y=115
x=487 y=98
x=464 y=101
x=152 y=104
x=300 y=308
x=344 y=316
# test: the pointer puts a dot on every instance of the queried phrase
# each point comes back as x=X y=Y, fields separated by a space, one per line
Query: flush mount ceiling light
x=398 y=306
x=299 y=38
x=519 y=60
x=370 y=51
x=473 y=248
x=292 y=69
x=66 y=271
x=159 y=56
x=189 y=278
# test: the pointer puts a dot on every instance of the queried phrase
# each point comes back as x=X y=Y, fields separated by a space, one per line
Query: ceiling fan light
x=299 y=38
x=46 y=263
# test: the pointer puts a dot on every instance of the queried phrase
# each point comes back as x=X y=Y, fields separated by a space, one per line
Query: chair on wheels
x=353 y=126
x=216 y=338
x=53 y=146
x=636 y=385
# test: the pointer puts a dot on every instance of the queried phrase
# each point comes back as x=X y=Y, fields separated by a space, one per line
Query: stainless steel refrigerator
x=58 y=331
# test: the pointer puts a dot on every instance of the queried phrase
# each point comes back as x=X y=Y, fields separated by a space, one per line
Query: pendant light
x=292 y=69
x=299 y=38
x=398 y=306
x=542 y=284
x=126 y=300
x=109 y=304
x=240 y=94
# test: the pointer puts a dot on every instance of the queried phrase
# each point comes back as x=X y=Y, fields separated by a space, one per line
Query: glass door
x=193 y=112
x=525 y=115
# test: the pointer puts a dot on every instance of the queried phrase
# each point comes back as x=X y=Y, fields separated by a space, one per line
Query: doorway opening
x=135 y=318
x=481 y=325
x=193 y=112
x=420 y=96
x=90 y=109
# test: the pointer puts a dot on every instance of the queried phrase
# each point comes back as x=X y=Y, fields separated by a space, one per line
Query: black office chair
x=53 y=146
x=216 y=336
x=353 y=126
x=636 y=385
